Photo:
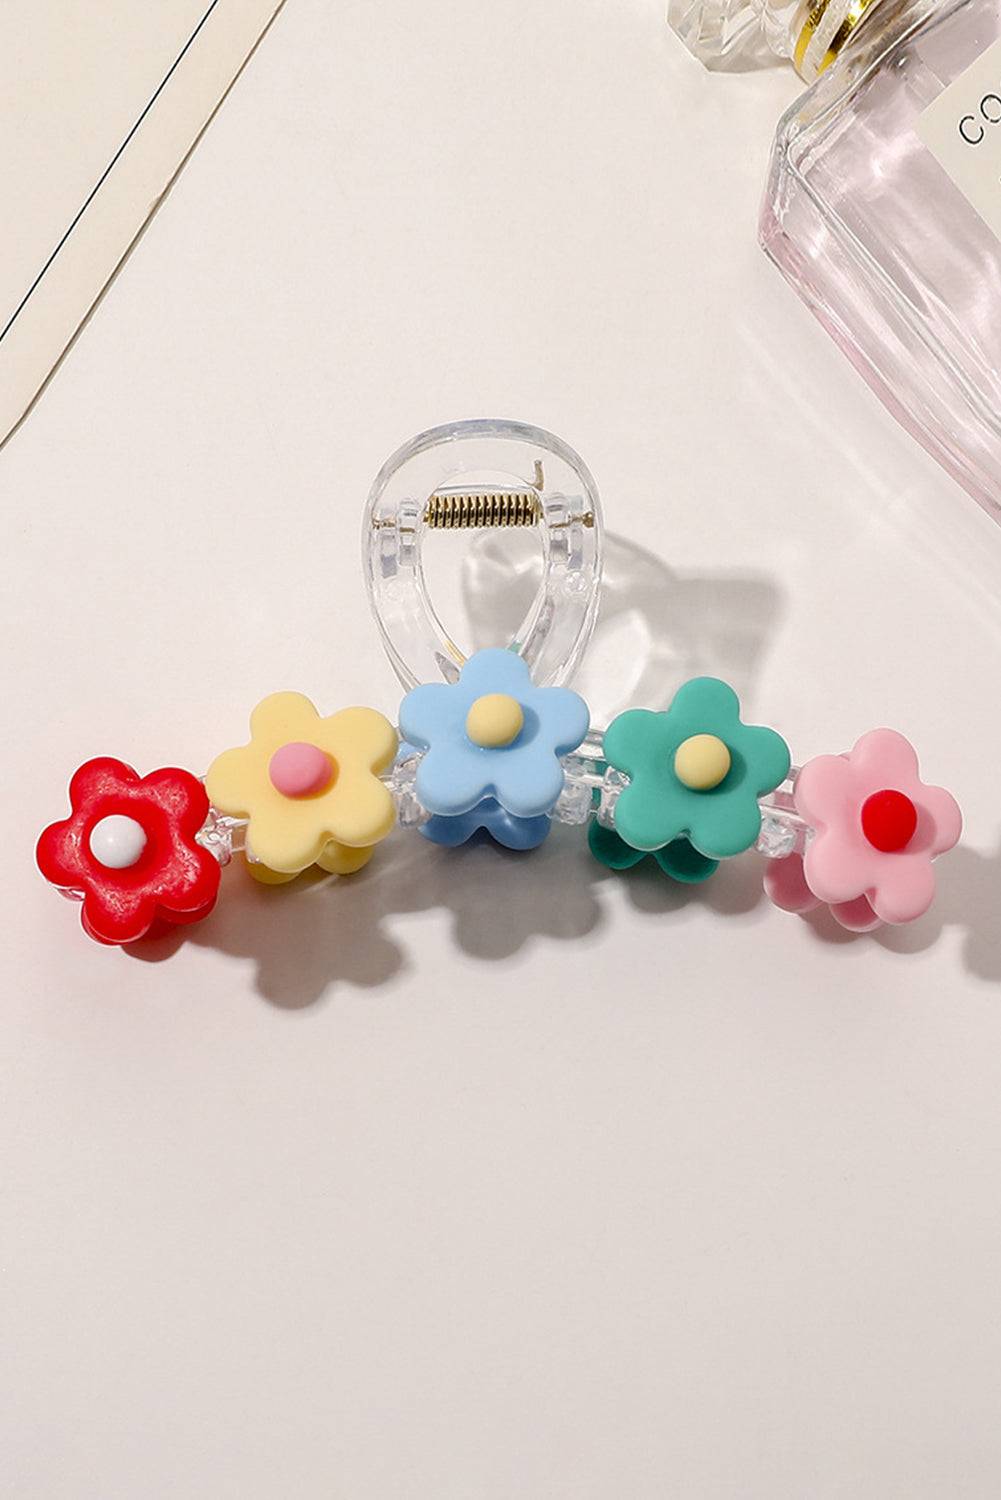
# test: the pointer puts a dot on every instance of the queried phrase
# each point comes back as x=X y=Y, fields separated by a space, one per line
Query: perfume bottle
x=883 y=204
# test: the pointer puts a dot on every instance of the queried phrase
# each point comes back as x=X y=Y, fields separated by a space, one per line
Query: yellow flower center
x=701 y=762
x=495 y=720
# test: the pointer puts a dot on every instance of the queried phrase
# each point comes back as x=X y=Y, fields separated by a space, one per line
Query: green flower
x=695 y=776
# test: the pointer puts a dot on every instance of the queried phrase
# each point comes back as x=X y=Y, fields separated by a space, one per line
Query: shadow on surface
x=969 y=888
x=967 y=898
x=318 y=931
x=307 y=937
x=657 y=626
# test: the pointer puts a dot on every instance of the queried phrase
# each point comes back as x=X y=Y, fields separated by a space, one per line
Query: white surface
x=485 y=1176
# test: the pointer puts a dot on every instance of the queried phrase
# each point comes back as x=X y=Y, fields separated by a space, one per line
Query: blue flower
x=492 y=734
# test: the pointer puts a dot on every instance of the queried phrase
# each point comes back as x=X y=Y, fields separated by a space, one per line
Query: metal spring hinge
x=474 y=509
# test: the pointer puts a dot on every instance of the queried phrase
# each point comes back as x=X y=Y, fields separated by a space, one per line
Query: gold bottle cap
x=827 y=26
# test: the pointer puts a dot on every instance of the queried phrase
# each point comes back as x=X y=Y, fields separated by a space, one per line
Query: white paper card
x=99 y=106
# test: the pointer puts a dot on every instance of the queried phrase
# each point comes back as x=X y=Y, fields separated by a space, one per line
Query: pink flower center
x=889 y=821
x=300 y=770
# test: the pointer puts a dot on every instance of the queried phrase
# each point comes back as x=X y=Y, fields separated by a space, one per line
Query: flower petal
x=856 y=916
x=639 y=742
x=452 y=777
x=563 y=718
x=885 y=758
x=612 y=851
x=236 y=778
x=431 y=712
x=264 y=875
x=905 y=887
x=651 y=812
x=180 y=796
x=59 y=854
x=101 y=777
x=684 y=863
x=513 y=833
x=186 y=884
x=944 y=814
x=358 y=739
x=287 y=834
x=281 y=717
x=338 y=859
x=358 y=810
x=839 y=865
x=706 y=705
x=765 y=756
x=724 y=823
x=115 y=913
x=785 y=885
x=526 y=780
x=825 y=793
x=496 y=669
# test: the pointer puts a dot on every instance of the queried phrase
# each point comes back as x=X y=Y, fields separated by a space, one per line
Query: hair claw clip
x=473 y=475
x=498 y=742
x=482 y=749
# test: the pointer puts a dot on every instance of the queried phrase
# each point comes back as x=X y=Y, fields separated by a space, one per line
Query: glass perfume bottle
x=883 y=204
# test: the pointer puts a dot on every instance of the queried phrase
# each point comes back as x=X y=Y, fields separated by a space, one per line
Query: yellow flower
x=308 y=786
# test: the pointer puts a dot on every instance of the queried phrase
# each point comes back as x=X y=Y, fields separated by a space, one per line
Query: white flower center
x=117 y=842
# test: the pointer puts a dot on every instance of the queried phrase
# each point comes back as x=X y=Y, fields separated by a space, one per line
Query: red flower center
x=889 y=821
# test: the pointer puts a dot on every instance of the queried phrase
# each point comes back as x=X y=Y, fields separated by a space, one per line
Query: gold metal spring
x=466 y=509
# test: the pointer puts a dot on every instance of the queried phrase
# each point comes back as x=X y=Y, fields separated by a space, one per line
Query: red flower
x=128 y=850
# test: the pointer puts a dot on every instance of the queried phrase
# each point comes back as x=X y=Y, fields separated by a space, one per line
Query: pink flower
x=876 y=828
